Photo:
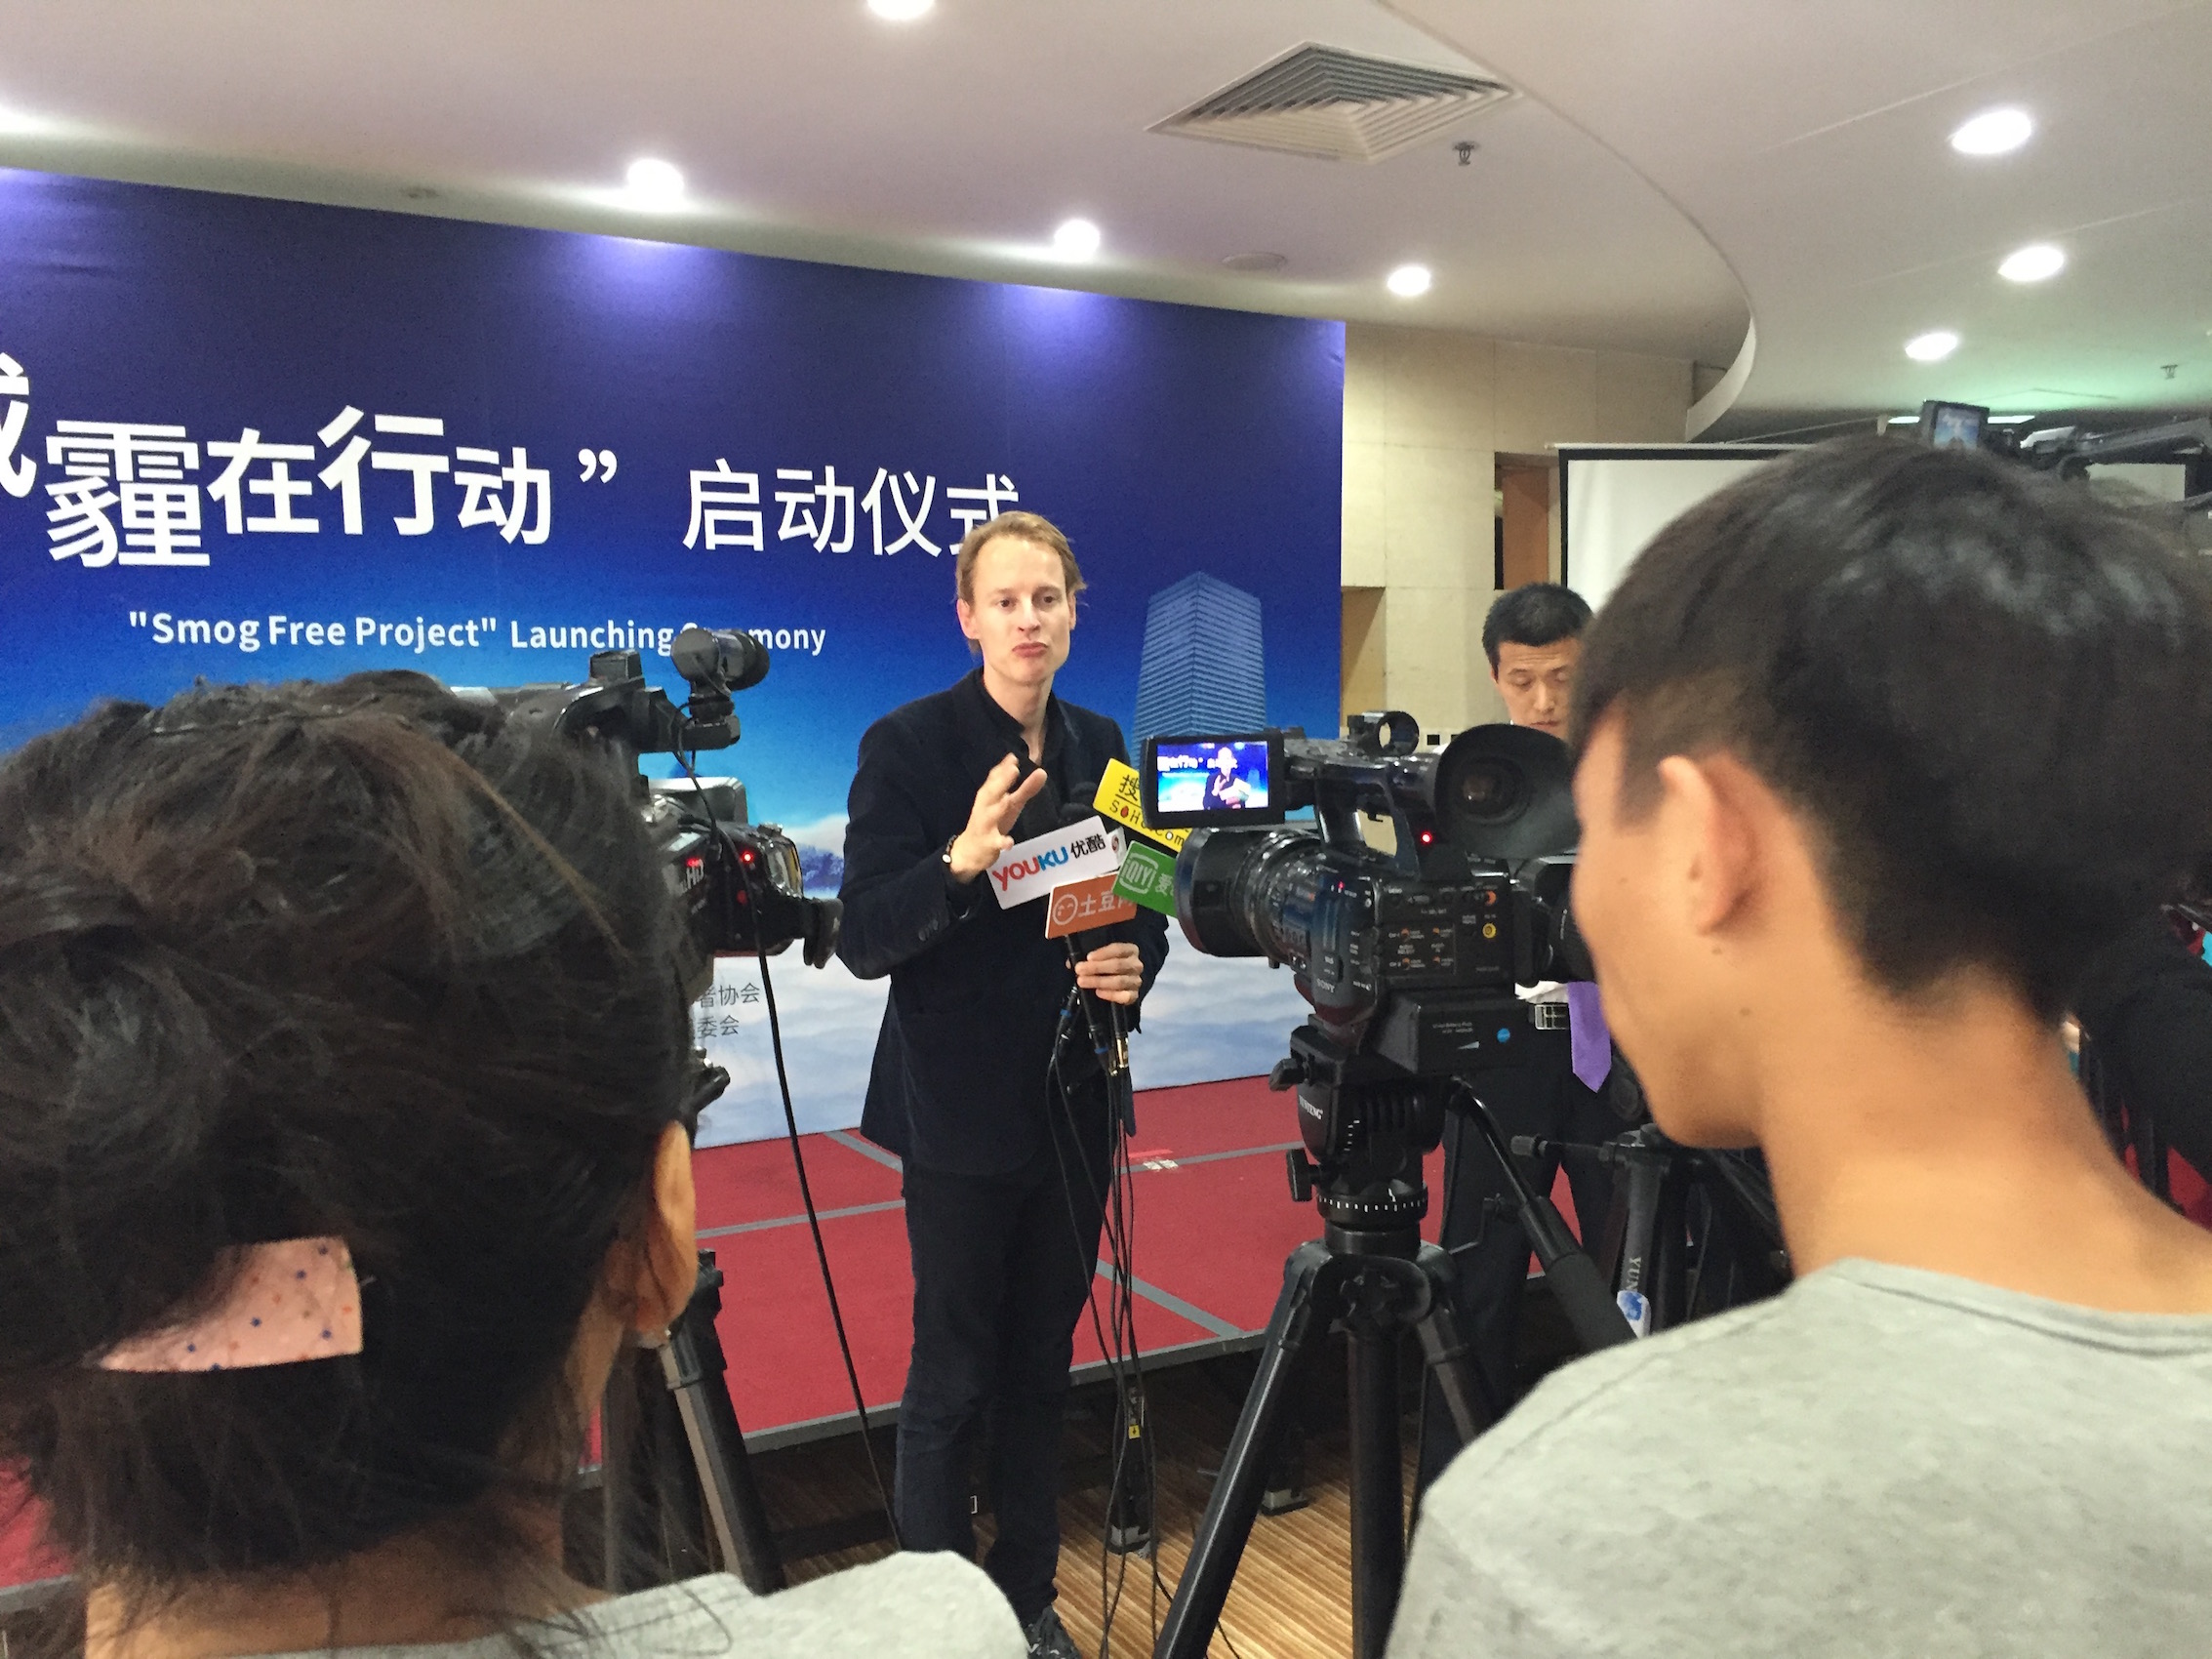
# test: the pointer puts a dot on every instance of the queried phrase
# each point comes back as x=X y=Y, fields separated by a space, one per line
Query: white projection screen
x=1614 y=498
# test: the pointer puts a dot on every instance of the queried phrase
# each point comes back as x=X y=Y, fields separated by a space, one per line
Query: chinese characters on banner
x=130 y=493
x=730 y=1004
x=726 y=509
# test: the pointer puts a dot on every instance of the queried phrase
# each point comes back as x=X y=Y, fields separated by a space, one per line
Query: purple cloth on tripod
x=1590 y=1042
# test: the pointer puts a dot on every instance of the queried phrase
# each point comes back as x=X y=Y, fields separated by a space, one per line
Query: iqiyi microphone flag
x=1147 y=879
x=1031 y=869
x=1148 y=871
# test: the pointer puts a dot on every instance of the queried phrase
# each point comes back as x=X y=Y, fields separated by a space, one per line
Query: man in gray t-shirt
x=1874 y=747
x=1881 y=1461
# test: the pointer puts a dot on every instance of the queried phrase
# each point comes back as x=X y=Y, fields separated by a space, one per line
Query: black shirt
x=960 y=1079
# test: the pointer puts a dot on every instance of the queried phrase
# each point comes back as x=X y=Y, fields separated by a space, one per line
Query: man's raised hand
x=998 y=803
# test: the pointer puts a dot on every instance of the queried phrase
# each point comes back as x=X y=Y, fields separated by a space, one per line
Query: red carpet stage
x=1214 y=1221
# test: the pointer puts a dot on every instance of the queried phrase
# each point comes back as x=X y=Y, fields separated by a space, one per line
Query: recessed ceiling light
x=654 y=182
x=1256 y=261
x=1931 y=348
x=2033 y=264
x=1904 y=420
x=2010 y=419
x=1994 y=132
x=1408 y=282
x=1075 y=239
x=899 y=11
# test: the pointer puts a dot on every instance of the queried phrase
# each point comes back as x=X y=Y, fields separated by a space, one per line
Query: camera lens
x=1504 y=793
x=1251 y=892
x=1490 y=792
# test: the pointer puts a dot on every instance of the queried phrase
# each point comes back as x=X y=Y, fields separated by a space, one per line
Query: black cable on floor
x=1121 y=1354
x=798 y=1155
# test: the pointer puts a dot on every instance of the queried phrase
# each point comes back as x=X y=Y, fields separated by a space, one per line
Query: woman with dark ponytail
x=342 y=1060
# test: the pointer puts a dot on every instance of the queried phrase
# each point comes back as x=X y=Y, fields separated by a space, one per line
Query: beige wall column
x=1418 y=508
x=1426 y=413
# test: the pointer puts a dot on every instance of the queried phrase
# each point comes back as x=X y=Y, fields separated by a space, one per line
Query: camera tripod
x=677 y=1484
x=1690 y=1231
x=1370 y=1274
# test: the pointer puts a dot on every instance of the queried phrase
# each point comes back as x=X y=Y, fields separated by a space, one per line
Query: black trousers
x=1003 y=1267
x=1544 y=1098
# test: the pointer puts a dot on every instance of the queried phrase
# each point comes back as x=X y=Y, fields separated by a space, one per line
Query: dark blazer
x=960 y=1076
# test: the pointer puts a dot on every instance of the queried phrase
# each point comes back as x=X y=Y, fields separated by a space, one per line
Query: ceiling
x=807 y=127
x=1809 y=144
x=1669 y=174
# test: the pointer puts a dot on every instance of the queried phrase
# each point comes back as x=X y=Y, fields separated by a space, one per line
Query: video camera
x=1409 y=956
x=679 y=1497
x=740 y=884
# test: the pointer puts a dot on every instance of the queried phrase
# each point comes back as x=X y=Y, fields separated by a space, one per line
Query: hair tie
x=291 y=1300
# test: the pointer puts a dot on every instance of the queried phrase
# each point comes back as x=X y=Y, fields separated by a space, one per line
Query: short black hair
x=1540 y=613
x=357 y=958
x=1990 y=691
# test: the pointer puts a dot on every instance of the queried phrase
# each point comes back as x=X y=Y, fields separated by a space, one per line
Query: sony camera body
x=1410 y=953
x=737 y=885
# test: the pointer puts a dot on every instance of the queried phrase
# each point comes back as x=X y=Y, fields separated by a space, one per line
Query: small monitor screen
x=1951 y=426
x=1205 y=776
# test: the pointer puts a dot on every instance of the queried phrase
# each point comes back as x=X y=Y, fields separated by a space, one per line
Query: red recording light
x=1426 y=836
x=744 y=855
x=695 y=862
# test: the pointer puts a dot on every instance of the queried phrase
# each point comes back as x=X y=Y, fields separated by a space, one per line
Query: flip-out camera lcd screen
x=1952 y=426
x=1214 y=781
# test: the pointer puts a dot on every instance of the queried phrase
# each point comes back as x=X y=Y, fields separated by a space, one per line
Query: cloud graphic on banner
x=822 y=852
x=1214 y=1017
x=1207 y=1018
x=828 y=1020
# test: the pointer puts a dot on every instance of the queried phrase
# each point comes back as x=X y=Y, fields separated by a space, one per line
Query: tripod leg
x=1196 y=1610
x=1573 y=1276
x=742 y=1535
x=1639 y=1243
x=1378 y=1489
x=654 y=1529
x=1669 y=1274
x=692 y=1366
x=1286 y=1490
x=1465 y=1396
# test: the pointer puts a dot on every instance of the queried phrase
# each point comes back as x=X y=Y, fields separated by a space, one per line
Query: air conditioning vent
x=1317 y=101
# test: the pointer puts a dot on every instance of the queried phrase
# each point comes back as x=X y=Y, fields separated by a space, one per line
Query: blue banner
x=255 y=440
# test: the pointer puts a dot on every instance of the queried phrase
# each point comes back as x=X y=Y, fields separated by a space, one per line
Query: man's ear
x=653 y=1280
x=967 y=615
x=1711 y=808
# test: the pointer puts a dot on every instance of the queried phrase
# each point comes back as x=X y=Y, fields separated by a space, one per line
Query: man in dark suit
x=1533 y=638
x=1003 y=1127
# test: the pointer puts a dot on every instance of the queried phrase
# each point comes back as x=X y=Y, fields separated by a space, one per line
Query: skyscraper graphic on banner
x=1202 y=668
